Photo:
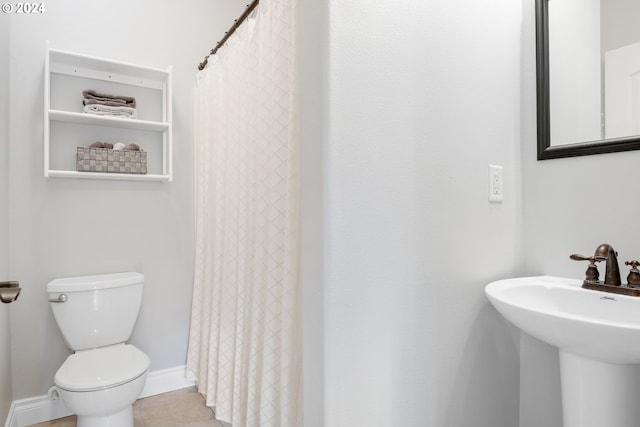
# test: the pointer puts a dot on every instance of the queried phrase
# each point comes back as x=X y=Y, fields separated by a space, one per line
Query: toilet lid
x=101 y=368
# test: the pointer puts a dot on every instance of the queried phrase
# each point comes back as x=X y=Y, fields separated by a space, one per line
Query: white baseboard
x=33 y=410
x=166 y=380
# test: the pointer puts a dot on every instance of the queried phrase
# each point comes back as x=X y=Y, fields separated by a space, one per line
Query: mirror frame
x=545 y=149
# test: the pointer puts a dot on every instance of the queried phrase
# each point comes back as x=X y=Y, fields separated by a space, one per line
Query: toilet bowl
x=104 y=376
x=99 y=385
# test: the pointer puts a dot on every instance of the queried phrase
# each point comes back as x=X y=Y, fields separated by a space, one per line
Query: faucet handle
x=577 y=257
x=634 y=264
x=633 y=279
x=592 y=274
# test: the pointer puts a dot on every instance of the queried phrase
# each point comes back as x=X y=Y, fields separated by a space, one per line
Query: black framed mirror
x=599 y=139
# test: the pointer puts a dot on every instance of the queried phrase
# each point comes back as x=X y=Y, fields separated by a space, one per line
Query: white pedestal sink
x=598 y=335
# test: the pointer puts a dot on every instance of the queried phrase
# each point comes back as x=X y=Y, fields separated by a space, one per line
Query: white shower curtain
x=245 y=337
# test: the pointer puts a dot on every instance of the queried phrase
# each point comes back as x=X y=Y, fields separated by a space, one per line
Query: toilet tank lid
x=95 y=282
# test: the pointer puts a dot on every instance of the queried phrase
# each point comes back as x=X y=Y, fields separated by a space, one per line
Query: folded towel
x=91 y=96
x=108 y=110
x=112 y=103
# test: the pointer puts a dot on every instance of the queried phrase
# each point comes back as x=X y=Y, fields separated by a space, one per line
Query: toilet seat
x=100 y=368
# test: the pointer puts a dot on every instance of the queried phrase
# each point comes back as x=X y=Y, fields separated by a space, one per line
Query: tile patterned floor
x=181 y=408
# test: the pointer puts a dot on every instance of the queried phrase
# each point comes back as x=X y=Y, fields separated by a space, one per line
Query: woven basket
x=90 y=159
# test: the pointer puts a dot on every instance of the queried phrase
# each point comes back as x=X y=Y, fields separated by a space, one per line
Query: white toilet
x=104 y=376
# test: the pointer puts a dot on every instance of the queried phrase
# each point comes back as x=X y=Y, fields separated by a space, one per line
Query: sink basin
x=595 y=324
x=598 y=336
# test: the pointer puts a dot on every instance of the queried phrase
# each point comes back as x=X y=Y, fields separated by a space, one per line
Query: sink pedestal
x=598 y=394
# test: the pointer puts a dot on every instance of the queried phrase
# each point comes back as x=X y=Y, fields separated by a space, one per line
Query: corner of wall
x=5 y=335
x=313 y=20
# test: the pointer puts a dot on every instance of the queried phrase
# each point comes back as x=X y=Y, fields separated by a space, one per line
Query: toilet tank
x=96 y=311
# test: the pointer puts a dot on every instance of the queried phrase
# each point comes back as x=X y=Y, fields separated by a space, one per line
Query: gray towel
x=94 y=97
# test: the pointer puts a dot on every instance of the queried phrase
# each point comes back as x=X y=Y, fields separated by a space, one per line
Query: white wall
x=5 y=337
x=570 y=206
x=62 y=228
x=423 y=96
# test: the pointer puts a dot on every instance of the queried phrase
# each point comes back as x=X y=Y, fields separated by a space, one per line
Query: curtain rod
x=228 y=34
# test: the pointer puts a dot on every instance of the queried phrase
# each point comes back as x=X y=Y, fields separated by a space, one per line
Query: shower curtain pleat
x=245 y=337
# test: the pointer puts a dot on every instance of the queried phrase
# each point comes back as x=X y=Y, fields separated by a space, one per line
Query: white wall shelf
x=66 y=126
x=90 y=119
x=52 y=173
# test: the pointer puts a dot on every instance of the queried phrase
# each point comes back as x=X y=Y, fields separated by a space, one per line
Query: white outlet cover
x=496 y=184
